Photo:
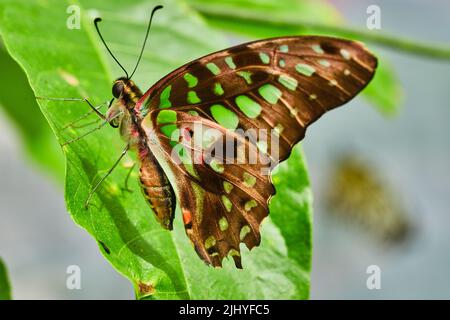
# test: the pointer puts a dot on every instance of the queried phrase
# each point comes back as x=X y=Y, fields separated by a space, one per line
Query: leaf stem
x=388 y=41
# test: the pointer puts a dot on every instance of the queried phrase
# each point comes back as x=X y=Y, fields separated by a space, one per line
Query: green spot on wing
x=225 y=117
x=227 y=203
x=166 y=116
x=229 y=61
x=288 y=82
x=278 y=128
x=218 y=90
x=247 y=75
x=191 y=80
x=168 y=131
x=213 y=68
x=317 y=48
x=210 y=242
x=244 y=232
x=249 y=180
x=284 y=48
x=249 y=205
x=325 y=63
x=164 y=101
x=305 y=69
x=227 y=186
x=184 y=155
x=223 y=224
x=270 y=93
x=264 y=57
x=233 y=252
x=216 y=166
x=199 y=199
x=345 y=54
x=249 y=107
x=192 y=97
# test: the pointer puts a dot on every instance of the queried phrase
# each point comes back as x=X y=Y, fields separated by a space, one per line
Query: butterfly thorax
x=130 y=93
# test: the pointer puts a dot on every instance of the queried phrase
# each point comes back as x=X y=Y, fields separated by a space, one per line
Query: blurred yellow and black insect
x=357 y=193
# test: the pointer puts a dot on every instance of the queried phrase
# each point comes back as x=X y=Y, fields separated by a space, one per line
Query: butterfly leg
x=84 y=116
x=97 y=185
x=84 y=134
x=126 y=188
x=73 y=125
x=93 y=108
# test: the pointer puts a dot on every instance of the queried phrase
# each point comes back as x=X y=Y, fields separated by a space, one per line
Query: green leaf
x=160 y=264
x=17 y=99
x=264 y=18
x=385 y=91
x=5 y=287
x=273 y=18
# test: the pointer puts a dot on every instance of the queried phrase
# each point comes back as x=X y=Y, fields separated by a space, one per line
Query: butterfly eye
x=117 y=89
x=114 y=122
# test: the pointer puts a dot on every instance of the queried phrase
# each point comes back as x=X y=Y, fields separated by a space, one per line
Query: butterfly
x=279 y=85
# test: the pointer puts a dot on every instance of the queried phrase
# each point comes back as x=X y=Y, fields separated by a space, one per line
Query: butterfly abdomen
x=157 y=190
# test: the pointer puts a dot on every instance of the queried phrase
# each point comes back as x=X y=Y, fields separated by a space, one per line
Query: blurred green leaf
x=273 y=18
x=264 y=18
x=160 y=264
x=5 y=287
x=17 y=99
x=385 y=91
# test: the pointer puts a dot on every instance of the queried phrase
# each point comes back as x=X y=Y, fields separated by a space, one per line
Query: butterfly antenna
x=96 y=21
x=146 y=37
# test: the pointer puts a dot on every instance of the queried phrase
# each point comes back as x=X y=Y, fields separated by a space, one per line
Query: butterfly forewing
x=279 y=85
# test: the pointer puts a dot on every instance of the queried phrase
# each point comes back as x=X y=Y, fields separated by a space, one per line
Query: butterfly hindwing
x=280 y=85
x=223 y=202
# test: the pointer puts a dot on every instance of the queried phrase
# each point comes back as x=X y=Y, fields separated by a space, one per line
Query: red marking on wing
x=187 y=217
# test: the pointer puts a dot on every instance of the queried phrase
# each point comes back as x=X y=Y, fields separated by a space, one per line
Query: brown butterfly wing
x=281 y=85
x=222 y=204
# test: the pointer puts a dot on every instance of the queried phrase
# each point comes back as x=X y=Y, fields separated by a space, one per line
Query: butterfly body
x=277 y=86
x=155 y=185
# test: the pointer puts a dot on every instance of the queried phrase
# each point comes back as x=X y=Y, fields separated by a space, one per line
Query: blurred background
x=402 y=226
